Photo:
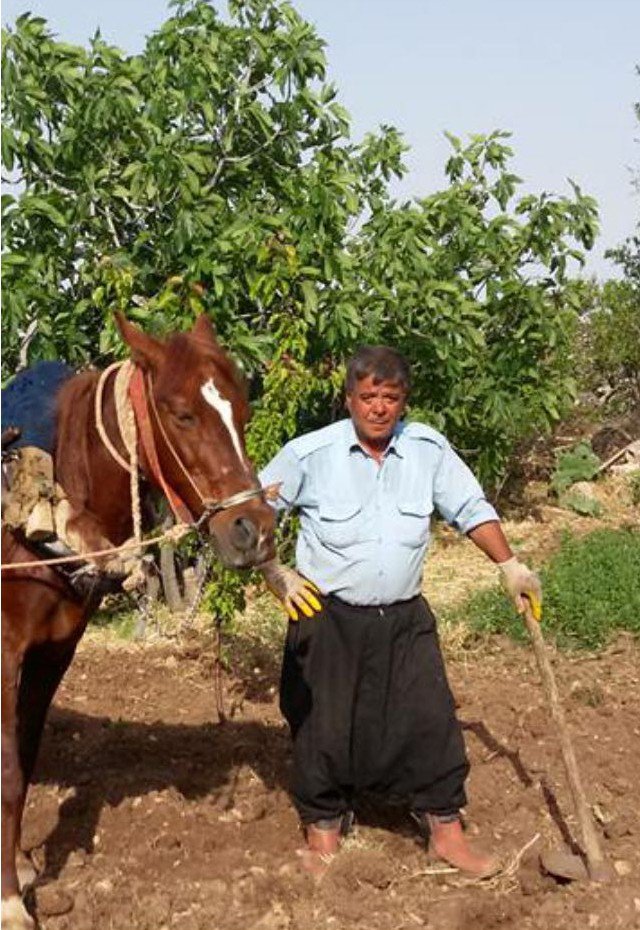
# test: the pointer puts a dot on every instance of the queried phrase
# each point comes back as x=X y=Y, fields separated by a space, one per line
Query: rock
x=26 y=871
x=586 y=488
x=628 y=468
x=51 y=901
x=104 y=886
x=622 y=867
x=36 y=831
x=616 y=828
x=77 y=859
x=252 y=809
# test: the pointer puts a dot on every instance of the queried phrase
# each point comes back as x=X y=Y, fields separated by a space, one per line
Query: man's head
x=378 y=382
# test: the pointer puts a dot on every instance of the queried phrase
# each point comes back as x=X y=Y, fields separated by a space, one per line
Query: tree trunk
x=169 y=574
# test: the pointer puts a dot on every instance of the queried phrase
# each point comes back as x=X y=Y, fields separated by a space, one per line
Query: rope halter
x=134 y=401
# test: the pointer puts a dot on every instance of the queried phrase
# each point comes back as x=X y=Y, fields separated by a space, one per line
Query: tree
x=214 y=171
x=627 y=255
x=611 y=327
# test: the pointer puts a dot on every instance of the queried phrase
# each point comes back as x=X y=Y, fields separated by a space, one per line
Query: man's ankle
x=323 y=836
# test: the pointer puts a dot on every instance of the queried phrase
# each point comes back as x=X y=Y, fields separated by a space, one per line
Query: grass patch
x=120 y=621
x=591 y=590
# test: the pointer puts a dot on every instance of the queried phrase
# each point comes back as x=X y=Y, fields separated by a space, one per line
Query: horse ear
x=146 y=351
x=203 y=328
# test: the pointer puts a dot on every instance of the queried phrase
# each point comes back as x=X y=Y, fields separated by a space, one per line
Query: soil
x=149 y=813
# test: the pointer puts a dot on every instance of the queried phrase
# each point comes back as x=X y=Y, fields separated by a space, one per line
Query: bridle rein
x=135 y=405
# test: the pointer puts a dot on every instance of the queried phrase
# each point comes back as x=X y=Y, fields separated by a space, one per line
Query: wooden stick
x=616 y=456
x=596 y=864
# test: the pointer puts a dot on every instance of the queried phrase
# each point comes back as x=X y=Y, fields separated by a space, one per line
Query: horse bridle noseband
x=214 y=507
x=141 y=398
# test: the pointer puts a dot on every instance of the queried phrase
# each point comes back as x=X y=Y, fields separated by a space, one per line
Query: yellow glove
x=520 y=582
x=536 y=606
x=293 y=591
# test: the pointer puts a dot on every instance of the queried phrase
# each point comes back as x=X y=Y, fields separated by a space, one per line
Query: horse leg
x=14 y=914
x=42 y=671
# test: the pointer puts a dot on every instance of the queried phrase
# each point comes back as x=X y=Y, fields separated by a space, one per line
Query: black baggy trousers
x=366 y=696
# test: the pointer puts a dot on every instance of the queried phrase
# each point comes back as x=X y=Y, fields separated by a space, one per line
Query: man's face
x=376 y=408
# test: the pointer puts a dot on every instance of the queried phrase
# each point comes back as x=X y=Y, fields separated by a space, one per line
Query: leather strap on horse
x=135 y=406
x=138 y=395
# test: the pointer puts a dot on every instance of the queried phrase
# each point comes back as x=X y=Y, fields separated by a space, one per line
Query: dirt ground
x=148 y=814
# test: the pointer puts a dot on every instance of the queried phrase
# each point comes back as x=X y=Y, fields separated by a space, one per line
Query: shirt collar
x=353 y=443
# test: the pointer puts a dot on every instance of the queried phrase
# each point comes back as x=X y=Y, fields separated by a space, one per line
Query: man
x=363 y=687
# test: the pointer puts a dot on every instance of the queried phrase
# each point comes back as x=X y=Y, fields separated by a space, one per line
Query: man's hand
x=293 y=591
x=520 y=582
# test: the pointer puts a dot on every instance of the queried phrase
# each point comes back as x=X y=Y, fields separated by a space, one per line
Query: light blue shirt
x=364 y=526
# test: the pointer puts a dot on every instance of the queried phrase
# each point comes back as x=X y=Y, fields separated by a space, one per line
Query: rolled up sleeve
x=457 y=494
x=285 y=469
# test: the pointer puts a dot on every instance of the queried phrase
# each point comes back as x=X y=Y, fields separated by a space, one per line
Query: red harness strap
x=138 y=396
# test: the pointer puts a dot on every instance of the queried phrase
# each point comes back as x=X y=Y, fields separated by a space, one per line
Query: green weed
x=119 y=620
x=590 y=591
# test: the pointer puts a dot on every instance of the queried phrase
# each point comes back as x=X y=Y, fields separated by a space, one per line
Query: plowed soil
x=147 y=814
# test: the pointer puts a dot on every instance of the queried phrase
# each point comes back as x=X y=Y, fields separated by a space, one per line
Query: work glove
x=293 y=591
x=521 y=583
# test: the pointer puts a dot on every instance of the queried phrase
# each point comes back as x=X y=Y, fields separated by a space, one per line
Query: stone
x=51 y=900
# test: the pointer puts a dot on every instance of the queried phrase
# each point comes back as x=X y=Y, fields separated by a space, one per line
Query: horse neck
x=98 y=487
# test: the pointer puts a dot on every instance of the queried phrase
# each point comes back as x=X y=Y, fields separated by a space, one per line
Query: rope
x=174 y=533
x=128 y=432
x=98 y=415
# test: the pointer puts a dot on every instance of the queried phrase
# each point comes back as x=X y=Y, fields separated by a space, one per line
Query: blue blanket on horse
x=28 y=402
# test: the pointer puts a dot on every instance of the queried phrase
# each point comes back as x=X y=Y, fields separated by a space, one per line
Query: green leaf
x=310 y=296
x=42 y=207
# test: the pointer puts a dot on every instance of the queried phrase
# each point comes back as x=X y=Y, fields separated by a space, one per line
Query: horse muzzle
x=244 y=536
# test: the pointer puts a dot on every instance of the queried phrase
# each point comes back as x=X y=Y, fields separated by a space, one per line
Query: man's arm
x=461 y=501
x=491 y=540
x=518 y=580
x=295 y=593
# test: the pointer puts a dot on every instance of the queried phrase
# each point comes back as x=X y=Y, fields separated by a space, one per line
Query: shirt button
x=379 y=539
x=380 y=571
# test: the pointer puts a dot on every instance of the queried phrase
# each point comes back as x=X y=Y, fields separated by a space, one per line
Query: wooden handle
x=595 y=860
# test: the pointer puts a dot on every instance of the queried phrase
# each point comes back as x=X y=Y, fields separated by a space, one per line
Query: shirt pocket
x=338 y=523
x=413 y=522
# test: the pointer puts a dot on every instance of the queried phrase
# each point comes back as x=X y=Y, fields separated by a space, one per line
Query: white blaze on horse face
x=225 y=411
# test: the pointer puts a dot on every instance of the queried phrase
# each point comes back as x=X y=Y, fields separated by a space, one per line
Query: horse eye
x=184 y=418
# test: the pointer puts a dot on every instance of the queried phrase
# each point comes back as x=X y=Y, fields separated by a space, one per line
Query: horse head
x=199 y=411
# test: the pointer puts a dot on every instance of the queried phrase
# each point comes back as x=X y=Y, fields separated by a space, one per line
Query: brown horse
x=197 y=411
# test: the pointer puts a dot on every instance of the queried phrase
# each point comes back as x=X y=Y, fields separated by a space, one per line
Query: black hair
x=383 y=362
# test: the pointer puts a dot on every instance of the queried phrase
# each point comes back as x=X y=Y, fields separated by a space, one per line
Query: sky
x=560 y=75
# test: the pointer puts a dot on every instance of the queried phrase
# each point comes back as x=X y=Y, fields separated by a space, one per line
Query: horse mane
x=74 y=408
